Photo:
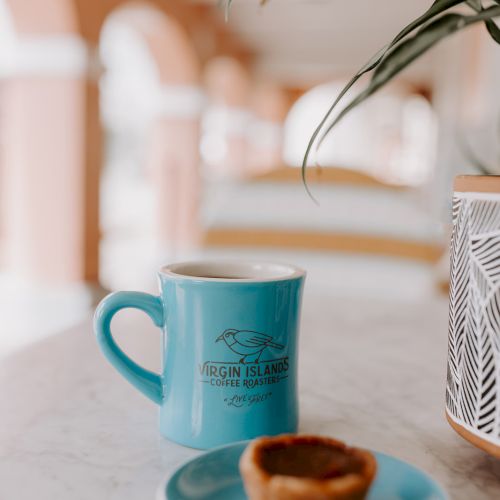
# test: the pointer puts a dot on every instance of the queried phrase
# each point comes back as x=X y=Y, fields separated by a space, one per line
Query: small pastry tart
x=300 y=467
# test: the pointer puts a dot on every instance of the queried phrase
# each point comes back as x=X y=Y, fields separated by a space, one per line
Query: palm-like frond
x=413 y=41
x=409 y=44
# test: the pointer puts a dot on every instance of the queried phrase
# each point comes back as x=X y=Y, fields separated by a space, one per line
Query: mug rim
x=283 y=271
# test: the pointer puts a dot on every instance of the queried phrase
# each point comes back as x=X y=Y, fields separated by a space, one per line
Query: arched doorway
x=150 y=108
x=391 y=137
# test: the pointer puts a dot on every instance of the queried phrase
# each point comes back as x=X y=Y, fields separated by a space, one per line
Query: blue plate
x=215 y=476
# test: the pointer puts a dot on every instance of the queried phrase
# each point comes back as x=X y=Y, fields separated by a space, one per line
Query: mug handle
x=147 y=382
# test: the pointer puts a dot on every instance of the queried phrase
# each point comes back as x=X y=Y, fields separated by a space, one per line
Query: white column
x=175 y=163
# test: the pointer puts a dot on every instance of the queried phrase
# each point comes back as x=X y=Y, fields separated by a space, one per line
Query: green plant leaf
x=226 y=5
x=438 y=7
x=492 y=28
x=403 y=54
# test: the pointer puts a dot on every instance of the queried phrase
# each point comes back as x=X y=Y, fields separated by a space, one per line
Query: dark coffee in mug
x=210 y=276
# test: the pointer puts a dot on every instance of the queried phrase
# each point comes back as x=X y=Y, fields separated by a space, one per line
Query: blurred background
x=135 y=133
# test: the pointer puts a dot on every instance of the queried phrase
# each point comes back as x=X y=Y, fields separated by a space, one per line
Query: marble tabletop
x=372 y=373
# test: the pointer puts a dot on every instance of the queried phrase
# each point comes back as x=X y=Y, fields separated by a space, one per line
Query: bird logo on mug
x=248 y=344
x=248 y=370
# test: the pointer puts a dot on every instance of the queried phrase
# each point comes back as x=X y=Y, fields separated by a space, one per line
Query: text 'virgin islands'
x=231 y=375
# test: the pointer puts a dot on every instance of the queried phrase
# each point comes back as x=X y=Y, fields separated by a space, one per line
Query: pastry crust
x=261 y=483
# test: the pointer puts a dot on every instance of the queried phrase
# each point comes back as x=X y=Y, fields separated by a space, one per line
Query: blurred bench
x=356 y=214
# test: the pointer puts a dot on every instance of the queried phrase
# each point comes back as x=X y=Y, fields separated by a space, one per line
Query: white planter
x=473 y=378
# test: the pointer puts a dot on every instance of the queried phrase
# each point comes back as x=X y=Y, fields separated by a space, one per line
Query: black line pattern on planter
x=473 y=378
x=459 y=287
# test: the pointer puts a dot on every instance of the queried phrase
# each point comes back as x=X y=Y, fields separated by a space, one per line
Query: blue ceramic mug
x=229 y=349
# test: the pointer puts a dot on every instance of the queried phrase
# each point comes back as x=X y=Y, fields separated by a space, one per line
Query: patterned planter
x=473 y=378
